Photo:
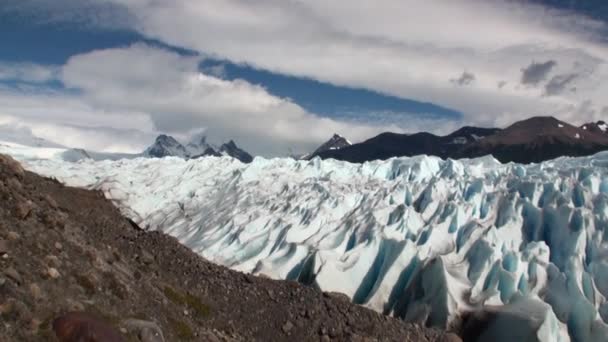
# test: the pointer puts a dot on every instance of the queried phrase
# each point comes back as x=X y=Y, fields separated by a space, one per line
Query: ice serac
x=491 y=250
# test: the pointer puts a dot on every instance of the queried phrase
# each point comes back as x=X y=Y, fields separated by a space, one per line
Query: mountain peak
x=336 y=142
x=231 y=149
x=166 y=146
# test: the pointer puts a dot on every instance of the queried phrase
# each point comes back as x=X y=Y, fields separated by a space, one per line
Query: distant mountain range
x=529 y=141
x=167 y=146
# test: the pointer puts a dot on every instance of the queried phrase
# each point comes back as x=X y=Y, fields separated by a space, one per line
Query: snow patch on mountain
x=521 y=250
x=336 y=142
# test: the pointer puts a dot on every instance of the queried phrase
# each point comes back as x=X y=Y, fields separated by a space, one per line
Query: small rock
x=50 y=201
x=147 y=257
x=72 y=305
x=53 y=273
x=6 y=308
x=451 y=337
x=58 y=246
x=35 y=325
x=12 y=165
x=52 y=261
x=35 y=291
x=23 y=209
x=287 y=327
x=13 y=236
x=3 y=247
x=249 y=278
x=79 y=326
x=13 y=274
x=325 y=338
x=145 y=330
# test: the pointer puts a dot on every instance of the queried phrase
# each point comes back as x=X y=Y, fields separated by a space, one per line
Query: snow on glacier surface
x=419 y=238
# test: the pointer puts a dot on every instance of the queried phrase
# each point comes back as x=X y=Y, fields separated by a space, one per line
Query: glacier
x=500 y=252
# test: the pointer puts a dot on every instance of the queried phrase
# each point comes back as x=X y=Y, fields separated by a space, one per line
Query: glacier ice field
x=421 y=238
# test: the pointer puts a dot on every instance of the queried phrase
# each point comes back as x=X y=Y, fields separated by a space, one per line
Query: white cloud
x=407 y=48
x=68 y=120
x=27 y=72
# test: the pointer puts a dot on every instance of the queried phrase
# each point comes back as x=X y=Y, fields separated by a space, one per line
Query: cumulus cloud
x=535 y=73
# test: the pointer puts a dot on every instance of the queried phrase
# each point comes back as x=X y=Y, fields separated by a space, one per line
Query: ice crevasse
x=472 y=245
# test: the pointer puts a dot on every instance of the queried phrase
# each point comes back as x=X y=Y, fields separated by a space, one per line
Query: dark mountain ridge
x=528 y=141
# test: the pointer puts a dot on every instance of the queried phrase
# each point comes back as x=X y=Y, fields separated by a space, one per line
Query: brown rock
x=3 y=247
x=451 y=337
x=12 y=236
x=50 y=201
x=53 y=273
x=23 y=209
x=35 y=291
x=145 y=330
x=12 y=165
x=287 y=327
x=80 y=326
x=13 y=274
x=52 y=261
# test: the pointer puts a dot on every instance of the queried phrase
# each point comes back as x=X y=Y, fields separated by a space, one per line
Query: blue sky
x=291 y=74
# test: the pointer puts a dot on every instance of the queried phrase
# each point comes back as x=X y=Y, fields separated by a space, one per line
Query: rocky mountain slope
x=336 y=142
x=73 y=269
x=532 y=140
x=388 y=145
x=596 y=127
x=535 y=140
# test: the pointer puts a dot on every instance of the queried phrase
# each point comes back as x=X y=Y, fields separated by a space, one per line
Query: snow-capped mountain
x=198 y=147
x=336 y=142
x=521 y=247
x=166 y=146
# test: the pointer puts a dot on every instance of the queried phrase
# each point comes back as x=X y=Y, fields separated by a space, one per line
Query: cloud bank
x=410 y=49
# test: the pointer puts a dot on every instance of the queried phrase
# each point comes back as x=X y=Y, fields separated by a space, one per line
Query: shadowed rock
x=83 y=327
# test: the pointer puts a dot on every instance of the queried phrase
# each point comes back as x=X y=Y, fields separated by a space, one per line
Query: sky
x=282 y=76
